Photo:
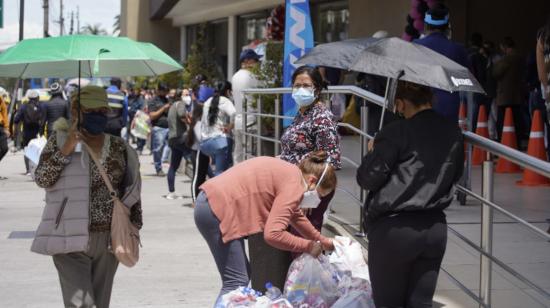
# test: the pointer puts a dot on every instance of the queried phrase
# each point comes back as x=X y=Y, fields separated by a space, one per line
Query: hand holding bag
x=125 y=240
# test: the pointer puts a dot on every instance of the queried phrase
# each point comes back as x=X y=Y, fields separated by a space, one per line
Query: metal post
x=364 y=148
x=245 y=127
x=486 y=234
x=277 y=124
x=259 y=127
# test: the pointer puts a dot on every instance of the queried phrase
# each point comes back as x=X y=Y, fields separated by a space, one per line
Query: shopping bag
x=347 y=257
x=355 y=299
x=141 y=127
x=312 y=282
x=34 y=149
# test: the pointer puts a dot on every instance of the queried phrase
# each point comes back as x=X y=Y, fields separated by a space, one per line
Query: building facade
x=232 y=25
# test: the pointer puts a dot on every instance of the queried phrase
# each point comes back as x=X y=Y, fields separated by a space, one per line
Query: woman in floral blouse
x=313 y=129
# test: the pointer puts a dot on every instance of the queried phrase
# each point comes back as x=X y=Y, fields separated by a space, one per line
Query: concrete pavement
x=176 y=268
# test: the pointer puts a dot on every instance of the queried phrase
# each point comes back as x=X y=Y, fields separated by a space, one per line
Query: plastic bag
x=141 y=126
x=249 y=298
x=348 y=258
x=311 y=281
x=355 y=299
x=34 y=149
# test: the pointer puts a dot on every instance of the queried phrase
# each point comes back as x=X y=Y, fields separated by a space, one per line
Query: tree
x=94 y=29
x=116 y=26
x=201 y=60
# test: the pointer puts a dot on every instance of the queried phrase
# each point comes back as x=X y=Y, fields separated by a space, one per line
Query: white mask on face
x=311 y=198
x=186 y=100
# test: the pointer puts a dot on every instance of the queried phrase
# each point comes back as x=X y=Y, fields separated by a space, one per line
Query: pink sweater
x=262 y=194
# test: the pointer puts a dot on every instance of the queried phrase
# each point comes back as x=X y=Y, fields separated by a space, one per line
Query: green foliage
x=200 y=60
x=94 y=29
x=270 y=75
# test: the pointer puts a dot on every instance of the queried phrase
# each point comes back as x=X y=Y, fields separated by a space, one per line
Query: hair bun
x=318 y=157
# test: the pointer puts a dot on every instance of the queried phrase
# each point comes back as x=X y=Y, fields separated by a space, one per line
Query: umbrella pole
x=78 y=99
x=385 y=104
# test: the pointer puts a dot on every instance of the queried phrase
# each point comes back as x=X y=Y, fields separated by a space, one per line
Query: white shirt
x=226 y=114
x=243 y=79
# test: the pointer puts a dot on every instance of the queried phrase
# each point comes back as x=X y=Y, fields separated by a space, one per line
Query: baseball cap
x=249 y=54
x=33 y=94
x=92 y=97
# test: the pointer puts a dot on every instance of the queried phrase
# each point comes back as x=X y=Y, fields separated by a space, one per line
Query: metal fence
x=253 y=147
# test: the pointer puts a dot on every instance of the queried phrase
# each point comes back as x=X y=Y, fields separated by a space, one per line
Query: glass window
x=330 y=21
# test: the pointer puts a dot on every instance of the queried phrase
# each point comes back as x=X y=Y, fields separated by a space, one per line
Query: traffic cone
x=535 y=149
x=482 y=129
x=508 y=139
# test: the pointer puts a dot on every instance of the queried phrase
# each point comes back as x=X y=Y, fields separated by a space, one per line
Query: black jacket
x=413 y=166
x=56 y=108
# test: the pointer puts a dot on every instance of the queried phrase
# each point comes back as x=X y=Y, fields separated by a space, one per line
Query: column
x=231 y=45
x=183 y=43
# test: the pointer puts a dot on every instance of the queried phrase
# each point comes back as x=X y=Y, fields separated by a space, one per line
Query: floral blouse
x=311 y=131
x=113 y=159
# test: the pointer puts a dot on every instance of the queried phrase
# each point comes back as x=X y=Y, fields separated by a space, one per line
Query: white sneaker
x=171 y=196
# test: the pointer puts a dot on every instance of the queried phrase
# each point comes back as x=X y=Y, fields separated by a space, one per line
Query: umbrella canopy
x=98 y=56
x=394 y=57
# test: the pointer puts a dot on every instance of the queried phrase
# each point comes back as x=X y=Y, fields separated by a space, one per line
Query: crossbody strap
x=101 y=170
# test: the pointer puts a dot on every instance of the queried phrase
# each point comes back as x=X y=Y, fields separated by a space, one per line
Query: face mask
x=311 y=198
x=186 y=100
x=94 y=122
x=303 y=97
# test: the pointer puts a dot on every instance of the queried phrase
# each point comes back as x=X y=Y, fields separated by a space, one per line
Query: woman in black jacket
x=410 y=172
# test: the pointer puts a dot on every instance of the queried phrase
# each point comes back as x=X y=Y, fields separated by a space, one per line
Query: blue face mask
x=94 y=122
x=303 y=97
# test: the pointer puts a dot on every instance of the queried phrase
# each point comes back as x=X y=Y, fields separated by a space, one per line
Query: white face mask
x=311 y=198
x=186 y=100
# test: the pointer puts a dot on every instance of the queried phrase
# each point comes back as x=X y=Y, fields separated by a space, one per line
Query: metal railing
x=486 y=198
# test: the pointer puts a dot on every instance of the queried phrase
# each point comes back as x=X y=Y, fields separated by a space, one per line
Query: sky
x=91 y=12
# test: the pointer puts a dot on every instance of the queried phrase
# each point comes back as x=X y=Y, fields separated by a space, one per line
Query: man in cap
x=56 y=107
x=436 y=22
x=118 y=113
x=243 y=79
x=158 y=111
x=32 y=116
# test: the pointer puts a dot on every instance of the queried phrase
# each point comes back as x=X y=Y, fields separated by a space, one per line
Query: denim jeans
x=159 y=137
x=218 y=149
x=230 y=257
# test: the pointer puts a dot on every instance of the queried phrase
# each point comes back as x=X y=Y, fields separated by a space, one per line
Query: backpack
x=33 y=113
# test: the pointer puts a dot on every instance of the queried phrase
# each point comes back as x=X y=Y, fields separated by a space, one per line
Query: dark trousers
x=178 y=152
x=200 y=170
x=3 y=143
x=405 y=254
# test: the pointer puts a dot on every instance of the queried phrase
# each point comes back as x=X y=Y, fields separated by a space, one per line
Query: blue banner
x=298 y=41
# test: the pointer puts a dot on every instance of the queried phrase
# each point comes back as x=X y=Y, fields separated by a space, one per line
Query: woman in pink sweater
x=262 y=194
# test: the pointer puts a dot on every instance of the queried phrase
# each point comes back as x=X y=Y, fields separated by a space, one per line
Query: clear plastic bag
x=355 y=299
x=311 y=281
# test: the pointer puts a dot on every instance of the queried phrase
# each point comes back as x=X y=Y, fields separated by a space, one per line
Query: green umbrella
x=84 y=56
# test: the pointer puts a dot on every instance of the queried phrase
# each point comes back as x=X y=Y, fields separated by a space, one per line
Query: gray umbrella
x=394 y=57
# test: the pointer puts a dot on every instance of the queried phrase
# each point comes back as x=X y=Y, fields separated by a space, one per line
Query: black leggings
x=200 y=171
x=405 y=254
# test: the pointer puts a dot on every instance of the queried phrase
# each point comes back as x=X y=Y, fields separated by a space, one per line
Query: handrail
x=357 y=91
x=503 y=211
x=510 y=154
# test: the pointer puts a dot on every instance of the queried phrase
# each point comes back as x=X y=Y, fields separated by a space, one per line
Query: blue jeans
x=218 y=149
x=175 y=160
x=159 y=137
x=230 y=257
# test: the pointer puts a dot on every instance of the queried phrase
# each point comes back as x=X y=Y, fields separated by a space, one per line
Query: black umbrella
x=396 y=59
x=393 y=57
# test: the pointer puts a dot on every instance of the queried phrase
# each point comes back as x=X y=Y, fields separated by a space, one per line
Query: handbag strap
x=101 y=170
